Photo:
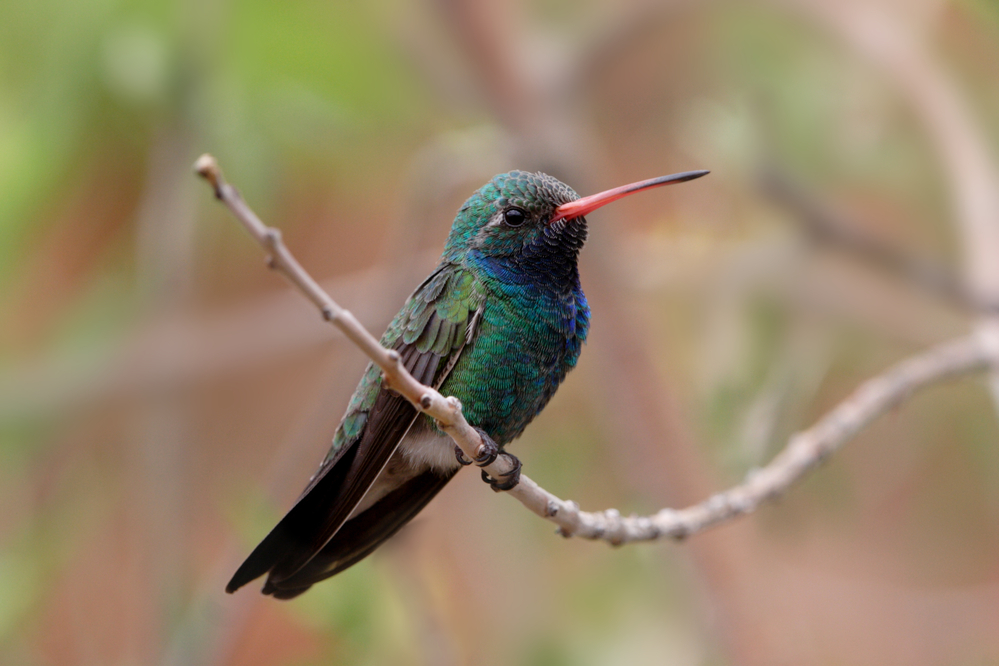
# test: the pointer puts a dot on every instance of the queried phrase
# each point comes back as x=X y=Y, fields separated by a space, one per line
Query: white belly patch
x=425 y=448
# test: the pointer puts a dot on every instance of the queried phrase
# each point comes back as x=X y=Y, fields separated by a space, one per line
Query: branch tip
x=208 y=168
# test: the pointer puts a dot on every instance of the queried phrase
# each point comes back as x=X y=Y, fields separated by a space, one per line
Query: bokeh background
x=163 y=397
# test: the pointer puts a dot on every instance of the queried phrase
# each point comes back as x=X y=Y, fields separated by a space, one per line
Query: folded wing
x=315 y=539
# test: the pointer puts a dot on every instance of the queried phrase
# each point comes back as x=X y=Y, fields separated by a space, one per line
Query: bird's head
x=507 y=214
x=520 y=215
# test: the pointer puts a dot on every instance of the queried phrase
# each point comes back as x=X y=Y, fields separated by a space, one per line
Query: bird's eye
x=514 y=217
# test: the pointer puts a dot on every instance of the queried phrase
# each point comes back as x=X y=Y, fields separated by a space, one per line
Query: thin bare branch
x=447 y=411
x=803 y=453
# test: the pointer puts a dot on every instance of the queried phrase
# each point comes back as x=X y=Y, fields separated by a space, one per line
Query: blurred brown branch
x=829 y=227
x=803 y=452
x=213 y=345
x=972 y=173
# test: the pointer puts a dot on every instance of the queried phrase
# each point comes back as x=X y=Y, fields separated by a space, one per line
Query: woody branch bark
x=447 y=411
x=804 y=451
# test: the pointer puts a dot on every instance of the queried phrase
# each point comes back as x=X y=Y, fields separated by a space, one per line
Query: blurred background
x=164 y=397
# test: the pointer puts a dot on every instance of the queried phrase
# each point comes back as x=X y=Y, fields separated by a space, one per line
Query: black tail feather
x=361 y=535
x=296 y=530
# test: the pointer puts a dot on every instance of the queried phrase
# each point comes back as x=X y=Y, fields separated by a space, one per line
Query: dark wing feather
x=332 y=493
x=361 y=535
x=348 y=472
x=293 y=533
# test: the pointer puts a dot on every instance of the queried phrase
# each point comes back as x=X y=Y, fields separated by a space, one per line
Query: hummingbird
x=497 y=324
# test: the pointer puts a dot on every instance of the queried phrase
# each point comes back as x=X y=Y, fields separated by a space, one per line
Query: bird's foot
x=489 y=451
x=506 y=481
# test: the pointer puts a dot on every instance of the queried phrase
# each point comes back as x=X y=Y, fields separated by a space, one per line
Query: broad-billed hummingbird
x=497 y=324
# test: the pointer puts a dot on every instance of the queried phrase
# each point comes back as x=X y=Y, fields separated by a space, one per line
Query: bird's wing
x=429 y=334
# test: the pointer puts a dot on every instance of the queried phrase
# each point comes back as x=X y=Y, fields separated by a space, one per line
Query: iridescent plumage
x=498 y=324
